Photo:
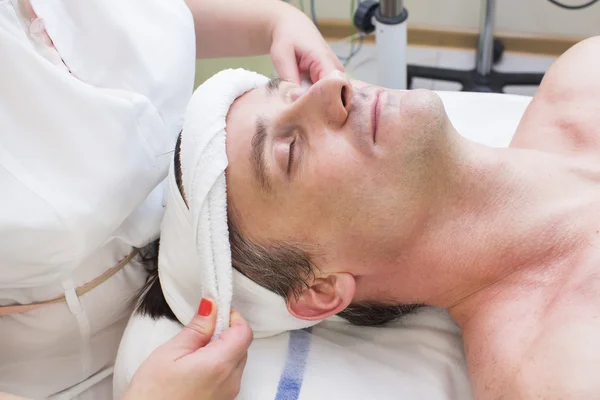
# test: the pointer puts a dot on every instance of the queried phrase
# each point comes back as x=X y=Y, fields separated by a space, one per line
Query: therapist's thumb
x=198 y=331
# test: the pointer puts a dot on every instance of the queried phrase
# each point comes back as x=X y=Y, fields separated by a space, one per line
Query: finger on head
x=316 y=73
x=326 y=68
x=285 y=63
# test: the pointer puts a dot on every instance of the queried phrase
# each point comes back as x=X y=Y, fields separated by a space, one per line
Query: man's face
x=342 y=169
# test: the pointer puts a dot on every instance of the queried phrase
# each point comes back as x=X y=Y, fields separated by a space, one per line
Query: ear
x=325 y=297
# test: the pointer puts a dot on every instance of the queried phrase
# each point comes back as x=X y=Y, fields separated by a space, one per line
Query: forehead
x=246 y=109
x=241 y=122
x=240 y=128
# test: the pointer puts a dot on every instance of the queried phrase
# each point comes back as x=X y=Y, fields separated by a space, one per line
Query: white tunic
x=86 y=134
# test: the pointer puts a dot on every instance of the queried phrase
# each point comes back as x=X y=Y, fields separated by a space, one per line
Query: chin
x=418 y=116
x=422 y=104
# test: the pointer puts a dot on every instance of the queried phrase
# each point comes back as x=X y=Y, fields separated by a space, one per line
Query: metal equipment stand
x=391 y=39
x=388 y=19
x=483 y=78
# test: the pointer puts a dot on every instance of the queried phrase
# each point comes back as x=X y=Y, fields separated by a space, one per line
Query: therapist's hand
x=187 y=367
x=298 y=47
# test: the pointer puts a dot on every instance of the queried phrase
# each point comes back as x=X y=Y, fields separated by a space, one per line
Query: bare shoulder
x=564 y=116
x=534 y=343
x=559 y=362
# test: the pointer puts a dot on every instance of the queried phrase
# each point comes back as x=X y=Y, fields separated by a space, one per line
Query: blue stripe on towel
x=291 y=378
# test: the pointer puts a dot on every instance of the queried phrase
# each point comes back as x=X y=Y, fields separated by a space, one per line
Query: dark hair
x=280 y=268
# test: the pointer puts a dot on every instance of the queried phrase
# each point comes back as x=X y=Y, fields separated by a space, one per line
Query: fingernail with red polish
x=205 y=308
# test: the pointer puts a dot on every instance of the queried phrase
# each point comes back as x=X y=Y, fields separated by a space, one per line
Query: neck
x=497 y=213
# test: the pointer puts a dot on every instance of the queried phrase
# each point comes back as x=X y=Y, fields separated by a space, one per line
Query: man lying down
x=344 y=198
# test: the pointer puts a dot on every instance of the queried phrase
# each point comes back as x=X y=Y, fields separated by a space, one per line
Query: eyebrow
x=259 y=164
x=273 y=85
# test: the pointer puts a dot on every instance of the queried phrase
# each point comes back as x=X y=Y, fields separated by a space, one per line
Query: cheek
x=337 y=179
x=352 y=193
x=333 y=165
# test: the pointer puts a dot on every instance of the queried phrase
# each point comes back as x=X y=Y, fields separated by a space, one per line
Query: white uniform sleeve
x=78 y=155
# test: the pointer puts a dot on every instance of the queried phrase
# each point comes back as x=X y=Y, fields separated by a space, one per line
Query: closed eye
x=291 y=156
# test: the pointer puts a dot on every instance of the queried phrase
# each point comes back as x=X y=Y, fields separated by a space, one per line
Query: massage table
x=419 y=357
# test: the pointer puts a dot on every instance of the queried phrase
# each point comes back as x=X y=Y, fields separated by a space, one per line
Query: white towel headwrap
x=195 y=254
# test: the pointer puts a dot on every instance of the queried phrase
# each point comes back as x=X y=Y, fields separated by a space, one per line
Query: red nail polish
x=205 y=308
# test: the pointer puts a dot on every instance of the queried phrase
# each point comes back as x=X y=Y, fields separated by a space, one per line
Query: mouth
x=375 y=113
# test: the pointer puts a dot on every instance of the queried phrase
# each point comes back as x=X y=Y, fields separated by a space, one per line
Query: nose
x=330 y=98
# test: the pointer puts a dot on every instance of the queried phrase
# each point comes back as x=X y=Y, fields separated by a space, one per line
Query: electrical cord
x=353 y=50
x=578 y=7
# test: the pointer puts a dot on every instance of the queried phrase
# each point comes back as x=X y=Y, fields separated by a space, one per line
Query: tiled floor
x=363 y=65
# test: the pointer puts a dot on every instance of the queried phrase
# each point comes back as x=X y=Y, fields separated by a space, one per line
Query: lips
x=375 y=113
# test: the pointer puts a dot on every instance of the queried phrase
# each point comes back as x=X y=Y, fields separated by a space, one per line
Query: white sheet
x=420 y=357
